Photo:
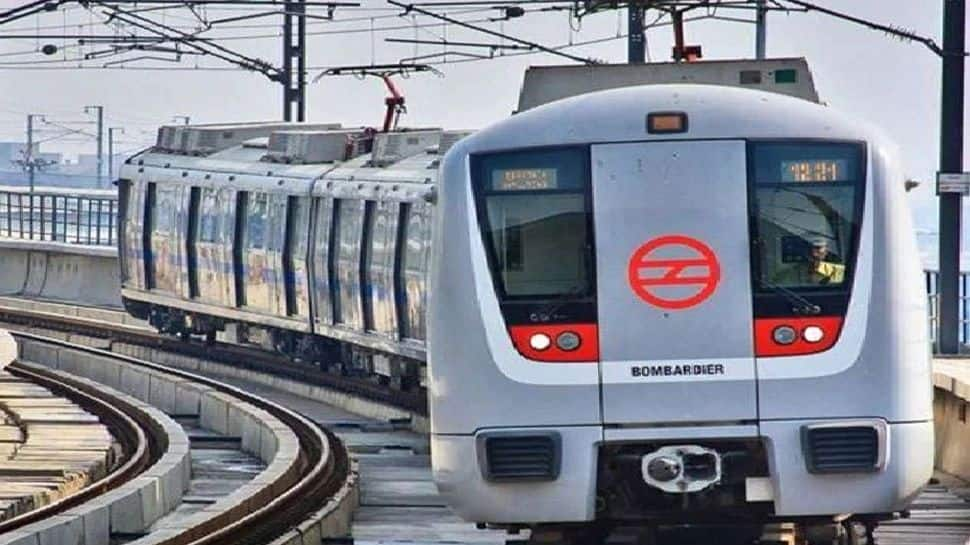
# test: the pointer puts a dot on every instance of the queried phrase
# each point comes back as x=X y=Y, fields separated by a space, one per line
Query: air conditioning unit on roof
x=391 y=147
x=206 y=139
x=306 y=147
x=450 y=138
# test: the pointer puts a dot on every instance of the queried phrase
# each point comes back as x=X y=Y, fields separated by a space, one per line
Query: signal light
x=813 y=334
x=795 y=336
x=540 y=341
x=568 y=341
x=666 y=122
x=784 y=334
x=557 y=343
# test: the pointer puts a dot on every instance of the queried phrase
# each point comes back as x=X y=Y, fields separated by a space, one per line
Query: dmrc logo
x=674 y=272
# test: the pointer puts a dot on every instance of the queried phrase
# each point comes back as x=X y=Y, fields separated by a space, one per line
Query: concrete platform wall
x=951 y=412
x=86 y=275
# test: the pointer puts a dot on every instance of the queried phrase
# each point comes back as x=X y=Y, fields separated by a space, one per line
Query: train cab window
x=534 y=210
x=806 y=206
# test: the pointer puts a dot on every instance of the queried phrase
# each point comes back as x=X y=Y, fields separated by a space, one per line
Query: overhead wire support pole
x=111 y=151
x=100 y=118
x=29 y=161
x=636 y=51
x=294 y=52
x=760 y=31
x=411 y=7
x=951 y=162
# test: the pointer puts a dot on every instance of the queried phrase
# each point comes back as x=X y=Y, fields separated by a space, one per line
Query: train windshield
x=807 y=207
x=534 y=210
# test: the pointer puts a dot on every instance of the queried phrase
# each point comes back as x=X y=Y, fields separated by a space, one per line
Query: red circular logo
x=674 y=272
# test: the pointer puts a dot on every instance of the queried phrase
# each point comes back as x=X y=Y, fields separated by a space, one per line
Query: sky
x=890 y=83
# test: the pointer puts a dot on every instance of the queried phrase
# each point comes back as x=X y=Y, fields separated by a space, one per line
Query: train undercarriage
x=330 y=355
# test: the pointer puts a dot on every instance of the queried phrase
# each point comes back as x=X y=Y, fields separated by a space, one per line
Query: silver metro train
x=648 y=306
x=314 y=239
x=677 y=303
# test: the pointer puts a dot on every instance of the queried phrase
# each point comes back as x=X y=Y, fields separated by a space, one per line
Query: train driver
x=817 y=269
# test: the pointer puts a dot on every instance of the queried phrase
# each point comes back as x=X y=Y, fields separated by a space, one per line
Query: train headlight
x=540 y=341
x=813 y=334
x=568 y=341
x=784 y=334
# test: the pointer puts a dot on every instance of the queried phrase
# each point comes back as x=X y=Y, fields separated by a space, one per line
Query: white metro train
x=641 y=307
x=677 y=303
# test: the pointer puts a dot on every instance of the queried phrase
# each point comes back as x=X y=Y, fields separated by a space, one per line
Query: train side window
x=256 y=221
x=208 y=216
x=415 y=258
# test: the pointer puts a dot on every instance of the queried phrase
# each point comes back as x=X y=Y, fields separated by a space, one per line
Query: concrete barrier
x=262 y=435
x=81 y=274
x=951 y=404
x=129 y=508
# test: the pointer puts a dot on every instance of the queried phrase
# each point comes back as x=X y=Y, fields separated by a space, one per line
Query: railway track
x=140 y=441
x=320 y=469
x=246 y=357
x=398 y=502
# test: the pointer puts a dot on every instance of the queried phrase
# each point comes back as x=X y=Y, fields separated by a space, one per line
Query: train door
x=257 y=289
x=295 y=265
x=674 y=282
x=213 y=236
x=166 y=204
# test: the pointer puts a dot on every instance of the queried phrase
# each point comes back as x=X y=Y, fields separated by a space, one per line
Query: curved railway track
x=238 y=355
x=320 y=470
x=141 y=442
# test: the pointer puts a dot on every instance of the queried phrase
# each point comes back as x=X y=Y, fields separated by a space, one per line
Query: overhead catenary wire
x=534 y=45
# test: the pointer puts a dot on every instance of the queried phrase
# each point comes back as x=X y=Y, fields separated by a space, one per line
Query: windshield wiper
x=801 y=304
x=558 y=301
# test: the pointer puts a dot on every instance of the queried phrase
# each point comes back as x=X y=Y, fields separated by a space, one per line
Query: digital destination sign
x=524 y=179
x=815 y=170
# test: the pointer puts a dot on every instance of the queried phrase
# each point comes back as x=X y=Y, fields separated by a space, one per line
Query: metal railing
x=74 y=216
x=932 y=279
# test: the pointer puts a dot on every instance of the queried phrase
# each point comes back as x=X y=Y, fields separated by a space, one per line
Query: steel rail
x=243 y=357
x=322 y=466
x=142 y=442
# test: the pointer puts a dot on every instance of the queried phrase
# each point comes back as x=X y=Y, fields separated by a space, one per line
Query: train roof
x=713 y=112
x=292 y=158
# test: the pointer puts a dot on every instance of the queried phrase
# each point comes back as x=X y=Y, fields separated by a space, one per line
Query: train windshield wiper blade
x=561 y=299
x=802 y=305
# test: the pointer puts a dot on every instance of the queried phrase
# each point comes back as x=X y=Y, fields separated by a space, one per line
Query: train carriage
x=300 y=237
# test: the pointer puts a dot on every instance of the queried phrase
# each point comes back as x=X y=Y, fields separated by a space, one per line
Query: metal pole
x=185 y=119
x=29 y=157
x=677 y=18
x=636 y=44
x=286 y=78
x=294 y=49
x=951 y=161
x=301 y=62
x=111 y=150
x=100 y=113
x=760 y=39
